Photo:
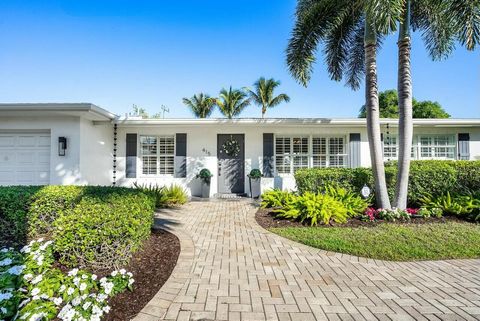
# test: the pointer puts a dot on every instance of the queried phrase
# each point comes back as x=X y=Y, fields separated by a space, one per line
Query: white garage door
x=24 y=158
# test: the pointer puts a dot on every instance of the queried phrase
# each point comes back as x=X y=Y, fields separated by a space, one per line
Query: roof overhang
x=85 y=110
x=292 y=122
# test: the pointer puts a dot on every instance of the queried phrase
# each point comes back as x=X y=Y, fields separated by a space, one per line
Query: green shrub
x=205 y=175
x=460 y=205
x=105 y=228
x=152 y=189
x=314 y=208
x=255 y=174
x=433 y=177
x=14 y=205
x=48 y=203
x=353 y=202
x=173 y=195
x=276 y=198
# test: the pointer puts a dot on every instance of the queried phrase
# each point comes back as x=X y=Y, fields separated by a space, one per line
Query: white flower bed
x=31 y=289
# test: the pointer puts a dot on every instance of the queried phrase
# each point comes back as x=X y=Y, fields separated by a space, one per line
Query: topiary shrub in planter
x=104 y=229
x=205 y=176
x=254 y=179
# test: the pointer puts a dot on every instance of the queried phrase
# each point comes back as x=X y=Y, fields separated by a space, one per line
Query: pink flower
x=412 y=211
x=371 y=213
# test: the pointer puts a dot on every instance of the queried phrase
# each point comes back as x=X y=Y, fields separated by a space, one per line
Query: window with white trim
x=437 y=146
x=293 y=153
x=329 y=152
x=390 y=147
x=157 y=154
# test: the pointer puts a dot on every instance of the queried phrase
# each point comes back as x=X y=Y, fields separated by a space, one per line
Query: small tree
x=263 y=95
x=200 y=104
x=232 y=102
x=388 y=102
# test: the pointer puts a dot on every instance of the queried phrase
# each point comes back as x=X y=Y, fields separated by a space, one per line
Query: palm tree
x=200 y=104
x=263 y=96
x=231 y=102
x=350 y=32
x=441 y=23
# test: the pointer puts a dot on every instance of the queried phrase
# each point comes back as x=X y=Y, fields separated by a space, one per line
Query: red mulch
x=265 y=218
x=151 y=267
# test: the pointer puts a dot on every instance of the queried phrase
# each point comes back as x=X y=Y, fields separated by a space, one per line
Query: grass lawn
x=435 y=241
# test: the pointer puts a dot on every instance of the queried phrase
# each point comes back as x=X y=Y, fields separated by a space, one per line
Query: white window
x=436 y=146
x=390 y=147
x=157 y=154
x=293 y=153
x=329 y=152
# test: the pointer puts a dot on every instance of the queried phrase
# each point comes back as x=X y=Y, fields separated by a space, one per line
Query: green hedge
x=14 y=206
x=433 y=177
x=86 y=222
x=104 y=229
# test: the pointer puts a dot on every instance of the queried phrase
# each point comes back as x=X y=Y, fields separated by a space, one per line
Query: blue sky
x=116 y=53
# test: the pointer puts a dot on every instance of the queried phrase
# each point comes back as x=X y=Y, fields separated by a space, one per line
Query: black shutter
x=131 y=156
x=268 y=155
x=354 y=149
x=181 y=155
x=464 y=146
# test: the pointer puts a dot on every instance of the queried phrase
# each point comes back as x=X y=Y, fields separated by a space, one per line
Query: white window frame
x=417 y=145
x=434 y=147
x=328 y=150
x=291 y=155
x=157 y=156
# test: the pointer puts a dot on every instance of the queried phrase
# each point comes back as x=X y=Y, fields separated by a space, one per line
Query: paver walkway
x=232 y=269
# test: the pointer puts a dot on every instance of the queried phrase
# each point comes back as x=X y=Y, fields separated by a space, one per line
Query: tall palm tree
x=232 y=102
x=200 y=104
x=350 y=32
x=441 y=24
x=263 y=96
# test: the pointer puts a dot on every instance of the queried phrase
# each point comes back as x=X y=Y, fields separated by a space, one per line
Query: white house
x=85 y=144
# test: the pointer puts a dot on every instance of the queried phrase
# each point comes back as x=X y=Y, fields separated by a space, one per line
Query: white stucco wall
x=96 y=150
x=202 y=151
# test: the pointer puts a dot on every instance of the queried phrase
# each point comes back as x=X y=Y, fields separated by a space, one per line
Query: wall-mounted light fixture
x=62 y=146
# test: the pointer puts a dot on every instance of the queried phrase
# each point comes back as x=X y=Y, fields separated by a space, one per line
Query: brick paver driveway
x=232 y=269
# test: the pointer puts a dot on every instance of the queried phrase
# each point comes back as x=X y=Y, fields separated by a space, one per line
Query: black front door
x=231 y=163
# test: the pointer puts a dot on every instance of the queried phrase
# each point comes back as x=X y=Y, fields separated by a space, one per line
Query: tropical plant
x=350 y=33
x=173 y=195
x=388 y=104
x=353 y=202
x=200 y=104
x=263 y=94
x=451 y=204
x=276 y=198
x=314 y=209
x=204 y=175
x=232 y=102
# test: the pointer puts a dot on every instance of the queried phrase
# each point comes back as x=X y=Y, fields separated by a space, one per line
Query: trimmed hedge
x=434 y=177
x=91 y=226
x=14 y=207
x=104 y=229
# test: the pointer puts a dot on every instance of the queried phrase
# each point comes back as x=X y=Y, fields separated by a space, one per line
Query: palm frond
x=312 y=21
x=466 y=14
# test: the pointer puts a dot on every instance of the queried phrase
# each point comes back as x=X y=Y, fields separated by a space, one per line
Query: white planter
x=255 y=187
x=205 y=190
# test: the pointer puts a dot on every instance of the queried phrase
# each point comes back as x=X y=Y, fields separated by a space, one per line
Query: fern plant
x=353 y=202
x=314 y=208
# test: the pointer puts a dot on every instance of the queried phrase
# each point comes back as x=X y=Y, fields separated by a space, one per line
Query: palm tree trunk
x=405 y=122
x=373 y=117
